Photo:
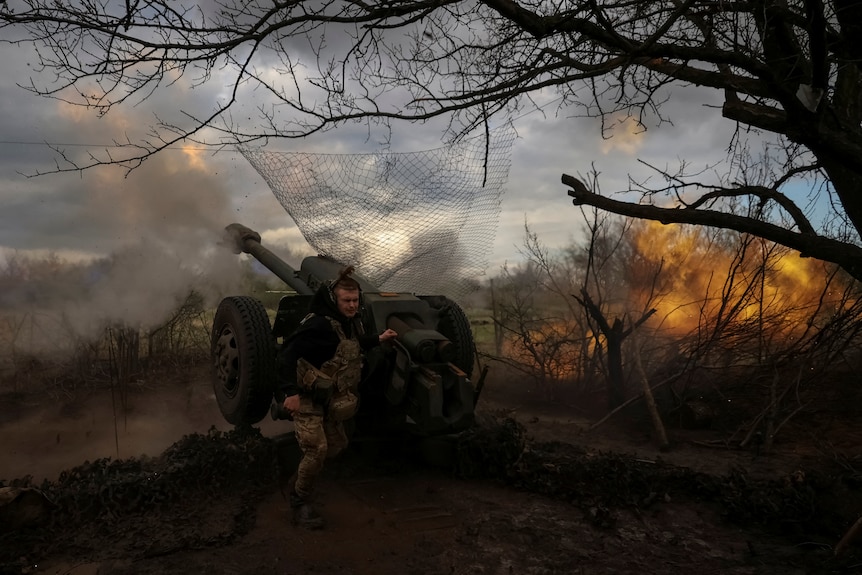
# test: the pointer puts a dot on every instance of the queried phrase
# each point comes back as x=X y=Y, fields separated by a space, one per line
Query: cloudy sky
x=183 y=196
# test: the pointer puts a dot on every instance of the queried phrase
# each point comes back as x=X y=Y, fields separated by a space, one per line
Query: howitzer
x=421 y=384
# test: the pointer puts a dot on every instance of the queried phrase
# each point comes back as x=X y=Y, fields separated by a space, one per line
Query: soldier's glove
x=277 y=411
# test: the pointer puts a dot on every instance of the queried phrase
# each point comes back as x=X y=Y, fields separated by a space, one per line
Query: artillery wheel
x=455 y=326
x=243 y=358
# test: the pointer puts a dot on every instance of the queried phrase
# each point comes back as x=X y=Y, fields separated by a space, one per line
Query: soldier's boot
x=304 y=514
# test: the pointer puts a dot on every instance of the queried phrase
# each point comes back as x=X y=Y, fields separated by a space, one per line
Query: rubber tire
x=243 y=359
x=455 y=326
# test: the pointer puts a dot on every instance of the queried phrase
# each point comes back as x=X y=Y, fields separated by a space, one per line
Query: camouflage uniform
x=321 y=363
x=320 y=428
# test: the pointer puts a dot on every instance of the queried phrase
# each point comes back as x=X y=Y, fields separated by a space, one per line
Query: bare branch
x=792 y=69
x=846 y=255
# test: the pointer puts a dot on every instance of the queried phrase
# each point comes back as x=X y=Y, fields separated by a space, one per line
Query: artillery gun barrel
x=246 y=240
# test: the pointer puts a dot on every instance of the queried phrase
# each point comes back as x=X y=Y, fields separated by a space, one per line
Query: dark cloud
x=182 y=196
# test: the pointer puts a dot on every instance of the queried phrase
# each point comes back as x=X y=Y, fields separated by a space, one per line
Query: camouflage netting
x=420 y=222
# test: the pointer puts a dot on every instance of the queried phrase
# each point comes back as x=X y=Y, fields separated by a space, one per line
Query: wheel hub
x=226 y=359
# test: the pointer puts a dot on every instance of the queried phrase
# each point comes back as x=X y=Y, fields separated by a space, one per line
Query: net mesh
x=421 y=222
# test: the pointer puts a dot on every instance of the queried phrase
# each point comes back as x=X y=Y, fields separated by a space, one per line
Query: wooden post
x=498 y=331
x=649 y=400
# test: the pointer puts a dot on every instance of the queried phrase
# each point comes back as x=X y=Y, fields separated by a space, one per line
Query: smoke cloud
x=145 y=240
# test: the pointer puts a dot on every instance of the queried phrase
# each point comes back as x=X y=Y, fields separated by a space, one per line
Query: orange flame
x=685 y=273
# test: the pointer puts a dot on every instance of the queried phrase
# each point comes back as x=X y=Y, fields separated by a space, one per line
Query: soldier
x=319 y=369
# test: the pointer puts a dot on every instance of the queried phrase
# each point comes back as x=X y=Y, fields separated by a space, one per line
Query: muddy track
x=506 y=504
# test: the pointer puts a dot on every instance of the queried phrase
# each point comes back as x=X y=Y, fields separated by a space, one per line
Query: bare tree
x=567 y=313
x=540 y=336
x=613 y=334
x=790 y=68
x=180 y=339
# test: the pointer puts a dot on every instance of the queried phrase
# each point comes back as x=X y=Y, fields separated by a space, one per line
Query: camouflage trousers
x=319 y=438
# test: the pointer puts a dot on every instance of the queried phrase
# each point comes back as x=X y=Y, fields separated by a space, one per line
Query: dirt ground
x=168 y=488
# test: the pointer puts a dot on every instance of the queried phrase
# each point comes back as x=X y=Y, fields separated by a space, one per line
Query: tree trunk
x=616 y=381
